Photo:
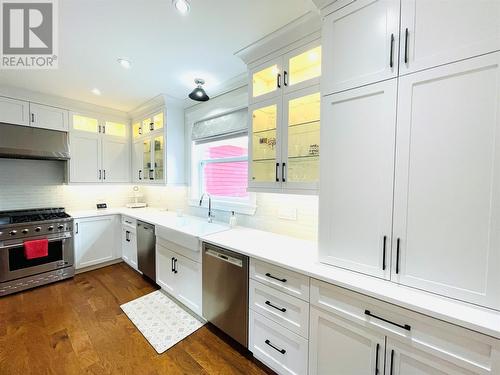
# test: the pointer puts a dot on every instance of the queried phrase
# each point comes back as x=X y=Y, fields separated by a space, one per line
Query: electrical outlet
x=287 y=213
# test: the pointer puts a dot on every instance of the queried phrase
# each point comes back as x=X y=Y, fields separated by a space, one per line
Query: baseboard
x=100 y=265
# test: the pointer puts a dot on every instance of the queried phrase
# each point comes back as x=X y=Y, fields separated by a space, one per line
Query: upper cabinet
x=100 y=150
x=158 y=146
x=20 y=112
x=380 y=39
x=13 y=111
x=284 y=112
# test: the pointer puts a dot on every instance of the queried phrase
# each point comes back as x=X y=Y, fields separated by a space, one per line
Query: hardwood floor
x=77 y=327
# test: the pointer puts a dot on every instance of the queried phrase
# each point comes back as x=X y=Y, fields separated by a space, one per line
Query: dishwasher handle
x=224 y=257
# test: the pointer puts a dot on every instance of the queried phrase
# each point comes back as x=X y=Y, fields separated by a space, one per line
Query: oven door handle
x=22 y=243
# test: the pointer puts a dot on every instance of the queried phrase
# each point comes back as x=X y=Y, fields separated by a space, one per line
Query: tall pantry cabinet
x=410 y=166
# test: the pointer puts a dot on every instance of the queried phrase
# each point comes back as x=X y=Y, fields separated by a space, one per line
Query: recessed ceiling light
x=182 y=6
x=96 y=91
x=125 y=63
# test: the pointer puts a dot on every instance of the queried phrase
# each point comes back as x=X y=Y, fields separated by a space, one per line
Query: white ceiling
x=167 y=50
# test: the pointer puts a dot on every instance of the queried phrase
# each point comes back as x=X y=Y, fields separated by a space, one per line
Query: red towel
x=36 y=249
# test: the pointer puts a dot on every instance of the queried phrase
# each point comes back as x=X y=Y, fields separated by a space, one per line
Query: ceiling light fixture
x=182 y=6
x=125 y=63
x=198 y=93
x=96 y=91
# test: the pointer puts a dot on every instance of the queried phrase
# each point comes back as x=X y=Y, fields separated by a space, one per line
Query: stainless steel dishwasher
x=146 y=249
x=225 y=291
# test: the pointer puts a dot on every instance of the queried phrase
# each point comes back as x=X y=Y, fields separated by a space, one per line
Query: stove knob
x=38 y=229
x=60 y=226
x=51 y=227
x=25 y=231
x=13 y=232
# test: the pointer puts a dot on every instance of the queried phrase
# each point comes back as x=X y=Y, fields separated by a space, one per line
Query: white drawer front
x=282 y=350
x=290 y=282
x=129 y=222
x=462 y=347
x=290 y=312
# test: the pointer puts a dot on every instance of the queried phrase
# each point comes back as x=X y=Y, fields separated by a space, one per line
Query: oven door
x=14 y=265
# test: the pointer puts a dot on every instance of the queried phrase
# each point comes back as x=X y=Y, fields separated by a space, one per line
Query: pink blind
x=228 y=179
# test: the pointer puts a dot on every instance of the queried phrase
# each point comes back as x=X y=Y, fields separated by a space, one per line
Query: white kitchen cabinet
x=439 y=32
x=44 y=116
x=96 y=240
x=13 y=111
x=100 y=150
x=179 y=275
x=137 y=161
x=115 y=159
x=129 y=241
x=360 y=44
x=356 y=187
x=265 y=80
x=85 y=163
x=447 y=187
x=340 y=347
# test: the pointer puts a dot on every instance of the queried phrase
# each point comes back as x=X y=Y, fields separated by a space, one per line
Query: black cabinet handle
x=282 y=309
x=76 y=224
x=376 y=359
x=104 y=174
x=104 y=129
x=392 y=362
x=140 y=130
x=175 y=265
x=391 y=60
x=278 y=80
x=275 y=278
x=282 y=351
x=140 y=171
x=383 y=252
x=127 y=234
x=407 y=34
x=397 y=255
x=283 y=168
x=151 y=126
x=277 y=172
x=32 y=117
x=100 y=174
x=151 y=177
x=405 y=326
x=172 y=268
x=285 y=78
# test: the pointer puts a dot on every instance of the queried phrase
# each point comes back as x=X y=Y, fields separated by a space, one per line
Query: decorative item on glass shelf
x=314 y=150
x=136 y=194
x=271 y=142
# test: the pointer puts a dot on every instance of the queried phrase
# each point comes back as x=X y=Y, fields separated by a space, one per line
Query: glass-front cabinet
x=148 y=158
x=284 y=122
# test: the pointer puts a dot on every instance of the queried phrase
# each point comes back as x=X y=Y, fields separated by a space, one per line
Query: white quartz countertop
x=302 y=256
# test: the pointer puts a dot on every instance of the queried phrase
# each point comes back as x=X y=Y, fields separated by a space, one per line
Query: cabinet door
x=301 y=139
x=159 y=158
x=188 y=282
x=129 y=247
x=265 y=169
x=14 y=111
x=339 y=347
x=158 y=120
x=43 y=116
x=137 y=163
x=165 y=276
x=447 y=188
x=439 y=32
x=115 y=129
x=95 y=240
x=302 y=67
x=360 y=44
x=266 y=81
x=356 y=185
x=147 y=165
x=85 y=162
x=115 y=159
x=402 y=359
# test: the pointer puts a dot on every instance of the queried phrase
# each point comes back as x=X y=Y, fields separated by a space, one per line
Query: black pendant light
x=198 y=93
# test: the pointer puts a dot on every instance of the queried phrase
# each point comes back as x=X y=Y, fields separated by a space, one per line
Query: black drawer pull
x=282 y=351
x=278 y=81
x=376 y=359
x=277 y=169
x=383 y=253
x=172 y=265
x=391 y=59
x=407 y=34
x=392 y=362
x=397 y=255
x=282 y=309
x=405 y=326
x=275 y=278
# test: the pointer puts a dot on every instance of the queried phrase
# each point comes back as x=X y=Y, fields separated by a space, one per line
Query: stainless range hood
x=25 y=142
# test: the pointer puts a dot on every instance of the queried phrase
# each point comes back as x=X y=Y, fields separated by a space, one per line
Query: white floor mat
x=161 y=321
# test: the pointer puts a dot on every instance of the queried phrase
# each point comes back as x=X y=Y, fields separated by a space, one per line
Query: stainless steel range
x=16 y=271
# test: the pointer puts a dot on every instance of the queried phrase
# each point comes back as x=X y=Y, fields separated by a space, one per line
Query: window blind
x=227 y=124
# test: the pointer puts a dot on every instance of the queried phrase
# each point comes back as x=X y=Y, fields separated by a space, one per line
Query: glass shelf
x=264 y=81
x=305 y=66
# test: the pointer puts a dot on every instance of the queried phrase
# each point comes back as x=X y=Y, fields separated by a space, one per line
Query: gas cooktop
x=32 y=215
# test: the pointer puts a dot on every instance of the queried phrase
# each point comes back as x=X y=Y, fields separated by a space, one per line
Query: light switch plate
x=287 y=213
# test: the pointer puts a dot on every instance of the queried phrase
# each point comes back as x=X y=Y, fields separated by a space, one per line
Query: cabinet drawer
x=282 y=350
x=290 y=282
x=130 y=222
x=290 y=312
x=462 y=347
